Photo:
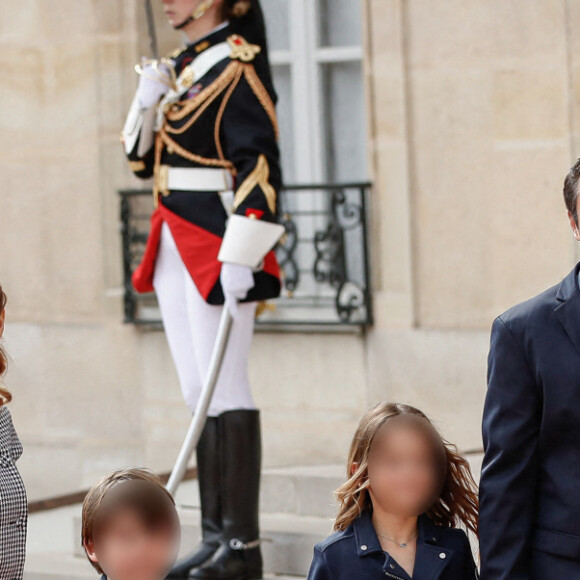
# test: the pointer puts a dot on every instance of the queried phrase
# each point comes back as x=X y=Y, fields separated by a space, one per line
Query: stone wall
x=473 y=122
x=474 y=126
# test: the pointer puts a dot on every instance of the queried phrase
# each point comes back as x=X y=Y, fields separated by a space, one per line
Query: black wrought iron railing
x=323 y=257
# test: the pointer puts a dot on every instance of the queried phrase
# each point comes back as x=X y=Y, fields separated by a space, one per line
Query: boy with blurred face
x=130 y=528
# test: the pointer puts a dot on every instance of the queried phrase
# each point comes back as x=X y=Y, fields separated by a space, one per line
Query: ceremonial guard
x=203 y=124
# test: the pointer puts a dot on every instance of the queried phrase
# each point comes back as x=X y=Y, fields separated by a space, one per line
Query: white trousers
x=191 y=326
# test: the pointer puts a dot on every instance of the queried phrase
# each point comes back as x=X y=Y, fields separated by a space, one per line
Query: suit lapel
x=568 y=309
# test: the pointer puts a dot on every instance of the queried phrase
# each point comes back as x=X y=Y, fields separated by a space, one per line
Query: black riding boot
x=239 y=557
x=208 y=475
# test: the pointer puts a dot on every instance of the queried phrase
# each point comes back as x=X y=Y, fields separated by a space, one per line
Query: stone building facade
x=472 y=122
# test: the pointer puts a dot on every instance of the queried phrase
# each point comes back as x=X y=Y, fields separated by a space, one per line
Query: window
x=316 y=55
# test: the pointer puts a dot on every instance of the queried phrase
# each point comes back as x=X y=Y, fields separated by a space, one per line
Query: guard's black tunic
x=226 y=120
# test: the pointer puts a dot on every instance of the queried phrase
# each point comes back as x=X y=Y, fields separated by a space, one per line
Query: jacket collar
x=568 y=308
x=367 y=541
x=431 y=558
x=217 y=35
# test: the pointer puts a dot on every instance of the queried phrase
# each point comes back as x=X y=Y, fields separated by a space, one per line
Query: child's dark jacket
x=442 y=554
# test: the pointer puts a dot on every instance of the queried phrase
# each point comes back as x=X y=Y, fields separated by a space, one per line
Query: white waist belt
x=193 y=179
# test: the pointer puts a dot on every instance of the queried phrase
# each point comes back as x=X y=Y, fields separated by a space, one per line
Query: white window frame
x=305 y=58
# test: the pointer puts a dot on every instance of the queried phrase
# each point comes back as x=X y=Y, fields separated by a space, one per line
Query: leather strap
x=208 y=59
x=200 y=66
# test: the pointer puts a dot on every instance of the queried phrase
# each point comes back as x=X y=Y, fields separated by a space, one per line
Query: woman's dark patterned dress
x=13 y=503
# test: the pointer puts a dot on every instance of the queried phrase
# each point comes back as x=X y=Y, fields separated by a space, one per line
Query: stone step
x=301 y=490
x=67 y=567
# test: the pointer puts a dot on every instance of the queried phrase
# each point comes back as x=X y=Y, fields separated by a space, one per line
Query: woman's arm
x=138 y=139
x=138 y=134
x=249 y=137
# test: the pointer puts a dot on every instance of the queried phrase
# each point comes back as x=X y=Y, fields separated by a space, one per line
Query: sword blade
x=151 y=29
x=200 y=415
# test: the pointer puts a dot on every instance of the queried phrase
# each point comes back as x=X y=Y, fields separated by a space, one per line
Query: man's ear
x=2 y=320
x=574 y=226
x=90 y=550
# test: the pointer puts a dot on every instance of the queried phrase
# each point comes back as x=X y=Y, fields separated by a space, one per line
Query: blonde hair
x=457 y=502
x=94 y=499
x=5 y=396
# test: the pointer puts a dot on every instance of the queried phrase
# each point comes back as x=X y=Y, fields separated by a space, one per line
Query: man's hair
x=136 y=490
x=571 y=190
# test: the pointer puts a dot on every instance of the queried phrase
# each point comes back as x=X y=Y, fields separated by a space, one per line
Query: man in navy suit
x=530 y=483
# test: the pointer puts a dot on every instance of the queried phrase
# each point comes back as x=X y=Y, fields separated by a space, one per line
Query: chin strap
x=200 y=10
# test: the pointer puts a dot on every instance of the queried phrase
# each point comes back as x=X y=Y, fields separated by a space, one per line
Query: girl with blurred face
x=406 y=492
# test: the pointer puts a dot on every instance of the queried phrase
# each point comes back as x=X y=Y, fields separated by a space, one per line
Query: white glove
x=236 y=281
x=152 y=84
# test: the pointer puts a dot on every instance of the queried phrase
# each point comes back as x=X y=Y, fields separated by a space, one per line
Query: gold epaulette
x=242 y=49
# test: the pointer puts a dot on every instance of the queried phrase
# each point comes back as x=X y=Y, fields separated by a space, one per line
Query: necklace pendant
x=404 y=545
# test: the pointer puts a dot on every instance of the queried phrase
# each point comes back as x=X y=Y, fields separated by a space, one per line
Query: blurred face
x=178 y=11
x=402 y=469
x=127 y=550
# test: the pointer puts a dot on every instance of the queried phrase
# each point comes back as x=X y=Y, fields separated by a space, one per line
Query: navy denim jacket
x=356 y=554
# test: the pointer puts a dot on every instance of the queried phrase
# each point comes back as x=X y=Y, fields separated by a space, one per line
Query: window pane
x=344 y=121
x=339 y=23
x=282 y=82
x=276 y=14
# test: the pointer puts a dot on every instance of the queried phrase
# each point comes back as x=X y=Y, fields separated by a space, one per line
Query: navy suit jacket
x=530 y=484
x=356 y=554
